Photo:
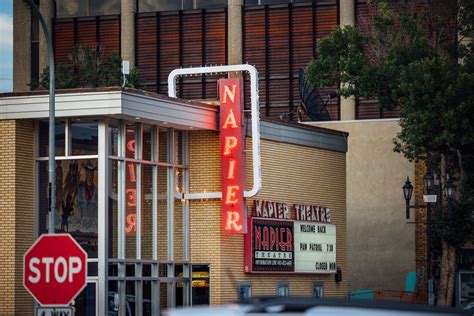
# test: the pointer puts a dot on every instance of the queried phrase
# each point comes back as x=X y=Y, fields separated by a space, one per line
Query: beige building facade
x=370 y=149
x=377 y=227
x=144 y=239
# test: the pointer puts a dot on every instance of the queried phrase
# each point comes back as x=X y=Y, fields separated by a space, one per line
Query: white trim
x=117 y=104
x=318 y=123
x=103 y=217
x=257 y=172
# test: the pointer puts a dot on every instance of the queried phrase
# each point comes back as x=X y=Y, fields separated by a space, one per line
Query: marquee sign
x=277 y=244
x=232 y=155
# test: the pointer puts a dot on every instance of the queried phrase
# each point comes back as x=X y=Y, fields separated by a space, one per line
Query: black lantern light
x=407 y=193
x=428 y=181
x=449 y=188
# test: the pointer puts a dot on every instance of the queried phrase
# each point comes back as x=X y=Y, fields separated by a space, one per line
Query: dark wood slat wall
x=169 y=40
x=369 y=109
x=89 y=31
x=279 y=40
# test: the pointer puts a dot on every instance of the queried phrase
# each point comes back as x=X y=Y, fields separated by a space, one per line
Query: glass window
x=147 y=144
x=77 y=8
x=171 y=5
x=245 y=290
x=76 y=201
x=282 y=289
x=85 y=302
x=163 y=148
x=146 y=309
x=113 y=139
x=71 y=8
x=262 y=2
x=84 y=138
x=466 y=288
x=113 y=209
x=130 y=141
x=318 y=290
x=162 y=212
x=101 y=7
x=178 y=147
x=158 y=5
x=200 y=285
x=146 y=211
x=130 y=210
x=44 y=138
x=207 y=4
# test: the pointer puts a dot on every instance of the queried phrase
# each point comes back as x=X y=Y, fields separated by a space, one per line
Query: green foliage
x=89 y=69
x=412 y=61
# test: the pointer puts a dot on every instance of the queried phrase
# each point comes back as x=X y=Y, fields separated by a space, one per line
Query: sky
x=6 y=45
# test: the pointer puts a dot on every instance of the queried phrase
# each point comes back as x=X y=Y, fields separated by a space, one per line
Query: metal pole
x=52 y=126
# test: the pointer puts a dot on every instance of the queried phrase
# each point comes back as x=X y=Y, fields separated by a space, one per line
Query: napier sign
x=55 y=269
x=277 y=244
x=232 y=159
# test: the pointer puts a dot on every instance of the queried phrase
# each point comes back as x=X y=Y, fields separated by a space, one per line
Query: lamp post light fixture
x=407 y=193
x=428 y=181
x=449 y=188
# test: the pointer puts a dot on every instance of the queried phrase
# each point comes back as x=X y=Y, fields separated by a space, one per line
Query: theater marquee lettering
x=276 y=243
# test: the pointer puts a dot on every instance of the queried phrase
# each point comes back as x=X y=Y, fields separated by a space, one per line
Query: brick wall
x=420 y=231
x=291 y=174
x=16 y=211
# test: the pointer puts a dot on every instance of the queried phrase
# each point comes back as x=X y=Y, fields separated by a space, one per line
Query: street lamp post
x=428 y=181
x=52 y=130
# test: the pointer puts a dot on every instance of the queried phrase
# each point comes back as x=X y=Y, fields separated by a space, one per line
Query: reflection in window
x=282 y=289
x=104 y=7
x=245 y=290
x=200 y=285
x=76 y=201
x=84 y=138
x=262 y=2
x=208 y=4
x=71 y=8
x=171 y=5
x=318 y=290
x=44 y=139
x=77 y=8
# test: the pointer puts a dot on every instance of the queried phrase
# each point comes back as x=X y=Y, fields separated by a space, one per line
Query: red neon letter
x=230 y=120
x=231 y=173
x=131 y=197
x=131 y=223
x=230 y=93
x=231 y=194
x=131 y=172
x=230 y=143
x=232 y=221
x=131 y=145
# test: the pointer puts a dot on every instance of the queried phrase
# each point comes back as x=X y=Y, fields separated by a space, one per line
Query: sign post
x=55 y=269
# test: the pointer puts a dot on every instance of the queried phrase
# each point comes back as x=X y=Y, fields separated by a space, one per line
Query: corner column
x=127 y=32
x=21 y=46
x=347 y=18
x=234 y=32
x=46 y=9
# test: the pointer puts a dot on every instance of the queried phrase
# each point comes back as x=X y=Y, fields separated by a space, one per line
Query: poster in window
x=76 y=201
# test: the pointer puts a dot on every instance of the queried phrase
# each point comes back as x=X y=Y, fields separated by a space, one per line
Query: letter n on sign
x=233 y=158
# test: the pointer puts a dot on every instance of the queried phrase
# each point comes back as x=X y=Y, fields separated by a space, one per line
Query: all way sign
x=52 y=311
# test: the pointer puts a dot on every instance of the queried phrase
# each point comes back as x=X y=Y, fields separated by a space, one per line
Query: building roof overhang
x=114 y=102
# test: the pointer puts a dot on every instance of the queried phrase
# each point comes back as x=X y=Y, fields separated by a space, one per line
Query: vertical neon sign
x=232 y=155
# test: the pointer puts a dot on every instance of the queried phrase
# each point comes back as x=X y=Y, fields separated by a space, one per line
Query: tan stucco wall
x=290 y=174
x=381 y=245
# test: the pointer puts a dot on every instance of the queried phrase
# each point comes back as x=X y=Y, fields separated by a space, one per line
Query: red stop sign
x=55 y=269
